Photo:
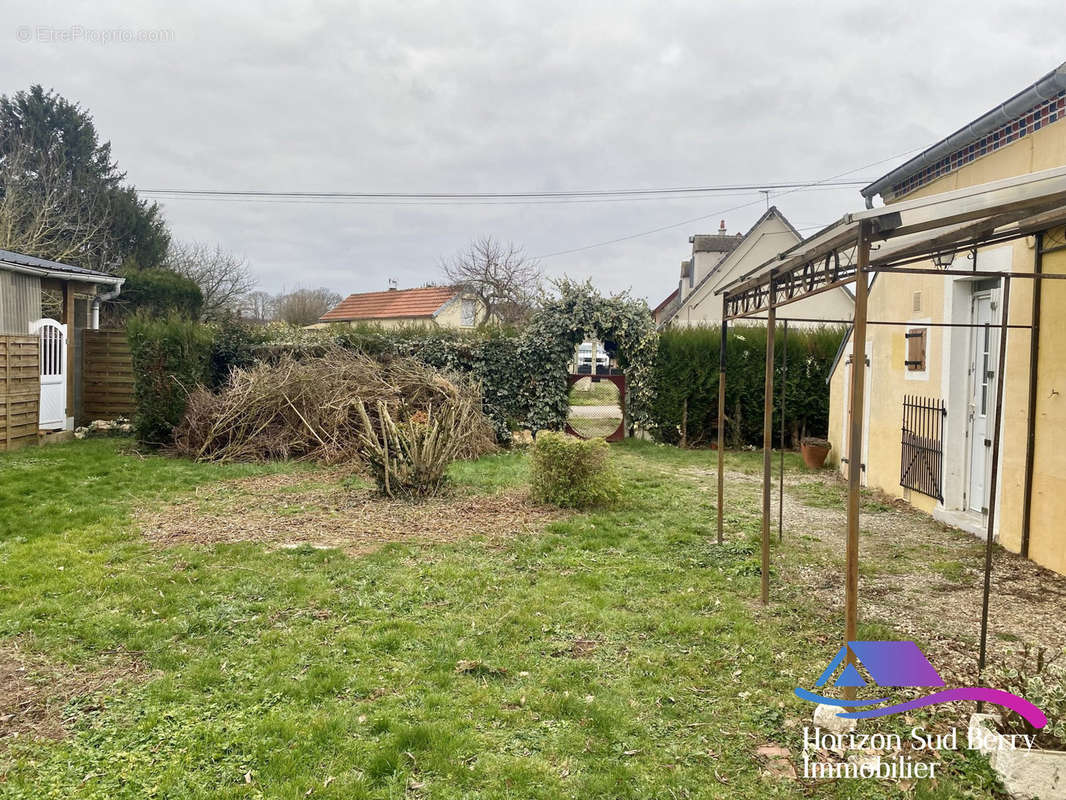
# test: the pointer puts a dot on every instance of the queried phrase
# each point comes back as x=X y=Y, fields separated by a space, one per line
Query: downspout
x=102 y=298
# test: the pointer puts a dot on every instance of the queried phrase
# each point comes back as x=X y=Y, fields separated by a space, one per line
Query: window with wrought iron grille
x=922 y=445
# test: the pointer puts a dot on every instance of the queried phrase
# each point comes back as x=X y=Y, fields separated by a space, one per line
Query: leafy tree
x=50 y=149
x=161 y=293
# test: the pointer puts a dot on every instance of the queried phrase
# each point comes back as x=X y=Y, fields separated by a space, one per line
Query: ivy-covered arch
x=546 y=348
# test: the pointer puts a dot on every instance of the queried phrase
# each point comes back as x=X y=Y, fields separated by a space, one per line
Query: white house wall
x=770 y=236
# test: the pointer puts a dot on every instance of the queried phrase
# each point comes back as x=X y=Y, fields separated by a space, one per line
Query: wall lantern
x=943 y=259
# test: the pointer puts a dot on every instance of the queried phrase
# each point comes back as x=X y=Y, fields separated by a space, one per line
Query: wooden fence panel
x=20 y=391
x=107 y=376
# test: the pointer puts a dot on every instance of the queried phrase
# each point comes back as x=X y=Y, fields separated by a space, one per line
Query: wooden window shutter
x=915 y=349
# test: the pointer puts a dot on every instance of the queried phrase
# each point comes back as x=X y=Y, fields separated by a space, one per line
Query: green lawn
x=587 y=393
x=616 y=654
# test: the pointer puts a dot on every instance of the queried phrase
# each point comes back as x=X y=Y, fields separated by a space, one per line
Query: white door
x=53 y=359
x=982 y=399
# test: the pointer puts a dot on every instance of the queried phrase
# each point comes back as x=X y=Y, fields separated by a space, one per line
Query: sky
x=478 y=97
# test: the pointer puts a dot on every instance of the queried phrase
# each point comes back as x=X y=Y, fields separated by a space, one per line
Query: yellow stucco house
x=441 y=306
x=949 y=373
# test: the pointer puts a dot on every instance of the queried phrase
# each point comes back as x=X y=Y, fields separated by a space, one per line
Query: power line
x=826 y=182
x=569 y=195
x=161 y=195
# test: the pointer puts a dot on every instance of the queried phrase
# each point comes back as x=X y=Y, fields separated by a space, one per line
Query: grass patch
x=834 y=494
x=615 y=653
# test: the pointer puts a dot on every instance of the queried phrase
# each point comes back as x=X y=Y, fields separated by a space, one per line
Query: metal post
x=721 y=419
x=1000 y=380
x=1034 y=372
x=767 y=444
x=781 y=477
x=857 y=401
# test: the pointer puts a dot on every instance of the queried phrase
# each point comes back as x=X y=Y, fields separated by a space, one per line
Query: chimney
x=721 y=228
x=392 y=284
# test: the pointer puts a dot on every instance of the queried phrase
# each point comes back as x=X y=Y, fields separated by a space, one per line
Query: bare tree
x=305 y=306
x=223 y=277
x=258 y=306
x=501 y=276
x=43 y=214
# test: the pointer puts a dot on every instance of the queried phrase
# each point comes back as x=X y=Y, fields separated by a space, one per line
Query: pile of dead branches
x=318 y=409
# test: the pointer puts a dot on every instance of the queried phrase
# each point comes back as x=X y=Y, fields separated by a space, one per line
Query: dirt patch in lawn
x=290 y=510
x=39 y=697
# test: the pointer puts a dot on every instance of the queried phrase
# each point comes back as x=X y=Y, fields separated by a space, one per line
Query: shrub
x=236 y=345
x=572 y=472
x=170 y=357
x=409 y=458
x=1043 y=683
x=161 y=292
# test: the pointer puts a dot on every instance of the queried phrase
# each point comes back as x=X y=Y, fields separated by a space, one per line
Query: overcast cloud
x=534 y=96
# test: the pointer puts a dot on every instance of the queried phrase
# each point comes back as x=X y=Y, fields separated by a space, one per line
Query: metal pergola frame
x=893 y=240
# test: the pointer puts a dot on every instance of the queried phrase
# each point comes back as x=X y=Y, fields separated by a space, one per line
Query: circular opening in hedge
x=595 y=408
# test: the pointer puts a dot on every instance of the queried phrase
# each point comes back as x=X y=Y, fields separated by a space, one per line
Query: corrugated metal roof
x=392 y=304
x=44 y=263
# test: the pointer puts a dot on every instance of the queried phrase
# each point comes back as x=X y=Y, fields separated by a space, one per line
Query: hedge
x=672 y=376
x=686 y=384
x=160 y=293
x=170 y=358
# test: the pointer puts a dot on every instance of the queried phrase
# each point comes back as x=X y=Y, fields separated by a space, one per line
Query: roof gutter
x=1044 y=89
x=80 y=277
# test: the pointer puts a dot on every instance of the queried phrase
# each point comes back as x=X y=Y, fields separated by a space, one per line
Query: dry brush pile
x=401 y=418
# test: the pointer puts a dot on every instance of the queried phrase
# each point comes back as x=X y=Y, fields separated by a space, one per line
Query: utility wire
x=683 y=223
x=582 y=194
x=160 y=195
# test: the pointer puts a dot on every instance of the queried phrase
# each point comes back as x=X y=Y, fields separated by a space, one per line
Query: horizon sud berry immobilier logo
x=893 y=665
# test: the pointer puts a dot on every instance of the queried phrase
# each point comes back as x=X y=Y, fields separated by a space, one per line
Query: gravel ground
x=917 y=575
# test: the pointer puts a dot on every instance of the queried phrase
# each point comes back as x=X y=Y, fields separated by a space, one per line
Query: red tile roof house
x=443 y=306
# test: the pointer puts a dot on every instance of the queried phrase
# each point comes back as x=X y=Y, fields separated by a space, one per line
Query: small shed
x=39 y=359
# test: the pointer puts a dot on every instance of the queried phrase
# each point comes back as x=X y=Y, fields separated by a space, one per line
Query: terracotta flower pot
x=814 y=452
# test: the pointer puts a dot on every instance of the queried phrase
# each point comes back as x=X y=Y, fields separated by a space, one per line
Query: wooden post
x=68 y=320
x=767 y=443
x=856 y=403
x=721 y=419
x=1000 y=380
x=781 y=477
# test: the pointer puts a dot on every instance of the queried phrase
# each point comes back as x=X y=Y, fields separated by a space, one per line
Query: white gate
x=53 y=358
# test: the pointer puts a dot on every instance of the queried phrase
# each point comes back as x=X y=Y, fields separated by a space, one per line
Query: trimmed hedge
x=170 y=358
x=161 y=292
x=573 y=473
x=686 y=384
